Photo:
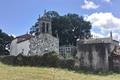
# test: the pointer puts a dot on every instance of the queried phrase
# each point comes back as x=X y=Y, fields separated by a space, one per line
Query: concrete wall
x=93 y=56
x=116 y=62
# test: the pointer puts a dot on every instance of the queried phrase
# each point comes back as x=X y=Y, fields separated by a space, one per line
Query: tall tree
x=4 y=40
x=70 y=27
x=52 y=14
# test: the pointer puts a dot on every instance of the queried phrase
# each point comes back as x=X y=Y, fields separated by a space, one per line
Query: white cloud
x=89 y=5
x=108 y=1
x=116 y=36
x=106 y=22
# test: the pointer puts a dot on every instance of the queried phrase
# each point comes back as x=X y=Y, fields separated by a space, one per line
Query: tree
x=52 y=14
x=69 y=28
x=4 y=40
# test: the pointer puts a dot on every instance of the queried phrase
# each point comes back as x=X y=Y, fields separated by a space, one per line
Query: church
x=95 y=53
x=38 y=42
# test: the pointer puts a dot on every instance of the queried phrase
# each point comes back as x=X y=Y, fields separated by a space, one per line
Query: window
x=47 y=28
x=43 y=27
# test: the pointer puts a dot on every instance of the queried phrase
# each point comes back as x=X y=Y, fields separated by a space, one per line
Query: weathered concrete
x=93 y=56
x=96 y=54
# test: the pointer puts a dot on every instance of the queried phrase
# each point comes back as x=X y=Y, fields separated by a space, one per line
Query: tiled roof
x=23 y=38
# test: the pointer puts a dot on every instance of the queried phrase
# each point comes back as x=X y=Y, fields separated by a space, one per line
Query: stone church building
x=40 y=40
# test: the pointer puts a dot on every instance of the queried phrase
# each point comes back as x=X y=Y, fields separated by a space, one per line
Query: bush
x=7 y=59
x=50 y=59
x=66 y=64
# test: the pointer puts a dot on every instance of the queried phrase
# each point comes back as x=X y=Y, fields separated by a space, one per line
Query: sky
x=17 y=16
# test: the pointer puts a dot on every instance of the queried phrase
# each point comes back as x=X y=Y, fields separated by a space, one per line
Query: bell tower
x=44 y=24
x=42 y=40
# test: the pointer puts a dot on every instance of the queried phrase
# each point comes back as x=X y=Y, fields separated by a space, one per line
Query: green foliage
x=50 y=59
x=69 y=27
x=52 y=14
x=7 y=59
x=66 y=64
x=4 y=40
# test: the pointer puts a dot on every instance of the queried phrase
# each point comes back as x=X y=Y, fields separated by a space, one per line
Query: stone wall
x=116 y=62
x=43 y=43
x=94 y=56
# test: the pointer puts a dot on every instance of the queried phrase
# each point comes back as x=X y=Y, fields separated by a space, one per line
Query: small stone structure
x=95 y=53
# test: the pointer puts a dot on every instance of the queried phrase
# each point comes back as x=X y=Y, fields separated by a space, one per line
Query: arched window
x=47 y=28
x=43 y=27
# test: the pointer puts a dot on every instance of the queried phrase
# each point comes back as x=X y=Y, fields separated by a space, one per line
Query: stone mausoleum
x=95 y=54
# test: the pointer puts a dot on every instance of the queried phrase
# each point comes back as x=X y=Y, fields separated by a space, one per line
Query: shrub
x=66 y=64
x=7 y=59
x=50 y=59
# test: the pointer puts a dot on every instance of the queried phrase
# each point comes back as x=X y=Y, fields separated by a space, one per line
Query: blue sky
x=17 y=16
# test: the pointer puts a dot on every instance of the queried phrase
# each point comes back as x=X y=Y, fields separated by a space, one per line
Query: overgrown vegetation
x=47 y=60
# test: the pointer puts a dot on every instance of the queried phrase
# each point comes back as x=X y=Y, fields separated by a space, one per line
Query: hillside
x=34 y=73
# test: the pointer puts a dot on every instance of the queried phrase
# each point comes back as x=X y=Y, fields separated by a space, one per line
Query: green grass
x=36 y=73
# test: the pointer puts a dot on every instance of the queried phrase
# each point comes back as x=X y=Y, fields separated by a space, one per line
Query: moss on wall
x=94 y=56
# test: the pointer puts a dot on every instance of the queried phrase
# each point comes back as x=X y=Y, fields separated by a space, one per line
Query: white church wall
x=23 y=47
x=13 y=47
x=17 y=48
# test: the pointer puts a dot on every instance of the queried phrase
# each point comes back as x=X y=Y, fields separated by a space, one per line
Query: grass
x=35 y=73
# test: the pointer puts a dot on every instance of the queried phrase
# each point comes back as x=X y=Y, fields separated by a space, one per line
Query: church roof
x=23 y=38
